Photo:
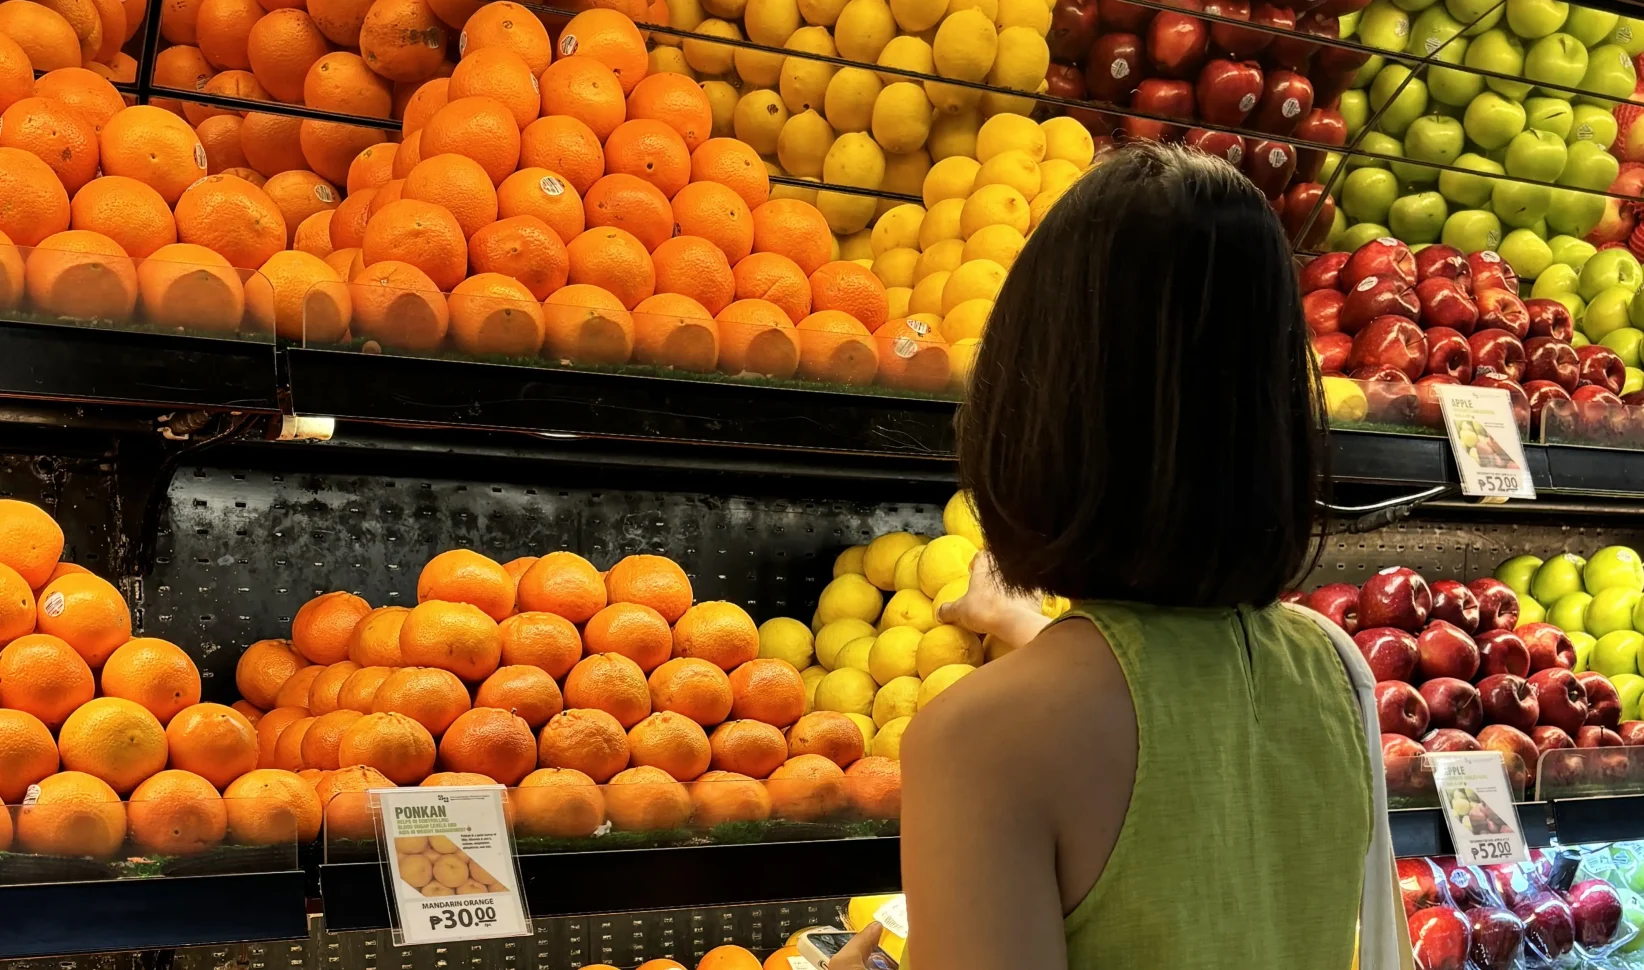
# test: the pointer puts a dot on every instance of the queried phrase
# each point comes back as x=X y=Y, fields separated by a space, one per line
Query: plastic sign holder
x=1484 y=440
x=453 y=873
x=1477 y=801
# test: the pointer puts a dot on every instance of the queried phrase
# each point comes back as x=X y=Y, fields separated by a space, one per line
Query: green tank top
x=1245 y=838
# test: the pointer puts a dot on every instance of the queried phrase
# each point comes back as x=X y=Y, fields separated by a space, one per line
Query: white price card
x=893 y=915
x=452 y=873
x=1484 y=438
x=1478 y=808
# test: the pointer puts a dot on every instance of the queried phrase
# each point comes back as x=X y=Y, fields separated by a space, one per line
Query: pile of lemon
x=879 y=660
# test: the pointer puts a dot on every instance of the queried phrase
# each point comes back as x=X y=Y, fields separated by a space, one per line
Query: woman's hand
x=858 y=953
x=989 y=608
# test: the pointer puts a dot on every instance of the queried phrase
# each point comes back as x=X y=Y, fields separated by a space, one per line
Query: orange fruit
x=428 y=695
x=299 y=195
x=323 y=693
x=313 y=235
x=564 y=145
x=452 y=779
x=728 y=958
x=402 y=40
x=264 y=668
x=396 y=745
x=632 y=204
x=492 y=742
x=294 y=692
x=177 y=20
x=42 y=676
x=56 y=134
x=36 y=204
x=31 y=542
x=81 y=275
x=583 y=88
x=230 y=84
x=112 y=14
x=430 y=96
x=154 y=673
x=310 y=301
x=808 y=787
x=329 y=147
x=846 y=286
x=248 y=710
x=779 y=959
x=391 y=191
x=190 y=286
x=874 y=787
x=360 y=689
x=455 y=13
x=696 y=268
x=652 y=151
x=501 y=74
x=465 y=576
x=523 y=690
x=46 y=38
x=767 y=690
x=517 y=567
x=322 y=742
x=215 y=742
x=633 y=630
x=288 y=750
x=75 y=814
x=655 y=581
x=270 y=727
x=220 y=135
x=272 y=143
x=719 y=632
x=282 y=46
x=677 y=101
x=222 y=31
x=88 y=613
x=113 y=739
x=480 y=128
x=911 y=354
x=672 y=742
x=757 y=336
x=343 y=801
x=774 y=278
x=646 y=799
x=828 y=734
x=565 y=584
x=794 y=229
x=375 y=639
x=661 y=964
x=693 y=688
x=718 y=797
x=716 y=213
x=233 y=218
x=459 y=184
x=61 y=569
x=339 y=20
x=348 y=224
x=524 y=249
x=346 y=264
x=671 y=330
x=587 y=324
x=611 y=683
x=17 y=608
x=421 y=234
x=27 y=754
x=546 y=195
x=126 y=211
x=591 y=742
x=272 y=807
x=398 y=304
x=511 y=27
x=341 y=82
x=458 y=637
x=492 y=314
x=371 y=167
x=323 y=625
x=558 y=803
x=176 y=812
x=84 y=92
x=752 y=748
x=835 y=347
x=157 y=148
x=610 y=38
x=613 y=260
x=16 y=73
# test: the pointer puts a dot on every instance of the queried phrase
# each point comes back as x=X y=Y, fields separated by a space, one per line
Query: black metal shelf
x=1568 y=821
x=1424 y=461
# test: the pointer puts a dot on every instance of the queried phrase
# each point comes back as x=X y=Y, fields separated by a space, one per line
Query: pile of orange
x=543 y=196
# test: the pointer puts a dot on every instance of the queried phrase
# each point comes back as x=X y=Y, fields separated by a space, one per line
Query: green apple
x=1537 y=155
x=1557 y=278
x=1597 y=125
x=1549 y=114
x=1399 y=96
x=1617 y=653
x=1384 y=27
x=1610 y=74
x=1625 y=342
x=1452 y=87
x=1367 y=71
x=1556 y=578
x=1612 y=610
x=1431 y=34
x=1606 y=312
x=1491 y=120
x=1578 y=339
x=1569 y=612
x=1414 y=6
x=1571 y=251
x=1584 y=643
x=1375 y=143
x=1355 y=111
x=1479 y=15
x=1355 y=236
x=1327 y=171
x=1631 y=689
x=1368 y=194
x=1629 y=36
x=1589 y=26
x=1418 y=218
x=1469 y=190
x=1536 y=18
x=1588 y=166
x=1635 y=311
x=1517 y=573
x=1519 y=204
x=1556 y=62
x=1347 y=24
x=1574 y=213
x=1529 y=611
x=1472 y=230
x=1430 y=138
x=1634 y=380
x=1526 y=253
x=1338 y=227
x=1614 y=566
x=1501 y=52
x=1607 y=268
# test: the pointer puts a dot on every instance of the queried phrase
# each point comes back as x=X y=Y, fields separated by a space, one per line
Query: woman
x=1175 y=775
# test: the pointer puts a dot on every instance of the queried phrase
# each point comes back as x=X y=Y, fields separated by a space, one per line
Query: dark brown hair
x=1142 y=423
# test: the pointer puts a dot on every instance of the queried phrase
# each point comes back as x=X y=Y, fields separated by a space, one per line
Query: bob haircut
x=1142 y=423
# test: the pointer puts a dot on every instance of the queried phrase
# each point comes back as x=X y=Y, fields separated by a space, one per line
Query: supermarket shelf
x=1568 y=821
x=56 y=919
x=583 y=883
x=1416 y=460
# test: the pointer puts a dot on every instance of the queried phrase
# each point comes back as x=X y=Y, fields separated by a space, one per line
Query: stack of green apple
x=1527 y=128
x=1605 y=293
x=1597 y=602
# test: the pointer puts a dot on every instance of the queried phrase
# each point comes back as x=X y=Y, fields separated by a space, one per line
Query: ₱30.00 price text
x=463 y=916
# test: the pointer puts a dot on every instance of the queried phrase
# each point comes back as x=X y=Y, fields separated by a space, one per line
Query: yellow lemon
x=854 y=655
x=906 y=573
x=758 y=120
x=669 y=60
x=1057 y=175
x=1021 y=59
x=888 y=742
x=850 y=597
x=999 y=243
x=795 y=192
x=954 y=134
x=896 y=297
x=1009 y=132
x=804 y=143
x=770 y=22
x=965 y=46
x=899 y=697
x=857 y=245
x=785 y=638
x=705 y=52
x=1041 y=206
x=961 y=360
x=846 y=690
x=683 y=15
x=879 y=562
x=947 y=594
x=936 y=683
x=904 y=174
x=947 y=559
x=908 y=607
x=894 y=267
x=905 y=53
x=722 y=101
x=760 y=69
x=822 y=13
x=1344 y=399
x=916 y=15
x=1015 y=169
x=895 y=654
x=1068 y=141
x=864 y=724
x=833 y=636
x=942 y=222
x=943 y=257
x=863 y=29
x=1032 y=15
x=976 y=279
x=927 y=294
x=850 y=561
x=848 y=102
x=959 y=518
x=856 y=160
x=947 y=644
x=968 y=319
x=804 y=82
x=901 y=117
x=812 y=676
x=990 y=205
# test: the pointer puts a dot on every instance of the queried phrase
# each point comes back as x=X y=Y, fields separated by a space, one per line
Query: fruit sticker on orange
x=1478 y=808
x=452 y=867
x=1484 y=437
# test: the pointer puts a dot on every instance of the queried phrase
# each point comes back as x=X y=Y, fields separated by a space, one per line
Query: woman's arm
x=988 y=608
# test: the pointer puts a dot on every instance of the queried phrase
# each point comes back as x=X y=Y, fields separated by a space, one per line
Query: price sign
x=452 y=874
x=893 y=915
x=1477 y=802
x=1484 y=439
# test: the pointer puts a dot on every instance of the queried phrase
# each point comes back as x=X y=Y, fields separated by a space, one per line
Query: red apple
x=1497 y=938
x=1549 y=318
x=1421 y=884
x=1286 y=98
x=1600 y=365
x=1518 y=752
x=1453 y=602
x=1445 y=651
x=1332 y=349
x=1551 y=359
x=1177 y=43
x=1115 y=64
x=1226 y=145
x=1157 y=96
x=1403 y=767
x=1228 y=91
x=1464 y=883
x=1597 y=909
x=1501 y=651
x=1449 y=739
x=1452 y=703
x=1065 y=81
x=1323 y=125
x=1121 y=16
x=1596 y=736
x=1521 y=412
x=1339 y=602
x=1548 y=646
x=1243 y=42
x=1449 y=354
x=1429 y=412
x=1603 y=702
x=1541 y=394
x=1401 y=709
x=1323 y=272
x=1270 y=164
x=1494 y=352
x=1515 y=883
x=1563 y=700
x=1396 y=596
x=1599 y=414
x=1509 y=699
x=1549 y=926
x=1322 y=311
x=1309 y=212
x=1501 y=310
x=1390 y=652
x=1374 y=297
x=1497 y=607
x=1490 y=271
x=1550 y=738
x=1290 y=51
x=1391 y=341
x=1632 y=732
x=1384 y=258
x=1444 y=303
x=1444 y=262
x=1392 y=398
x=1072 y=29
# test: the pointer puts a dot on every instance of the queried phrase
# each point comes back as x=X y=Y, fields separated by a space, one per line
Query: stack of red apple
x=1188 y=69
x=1401 y=321
x=1456 y=671
x=1510 y=915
